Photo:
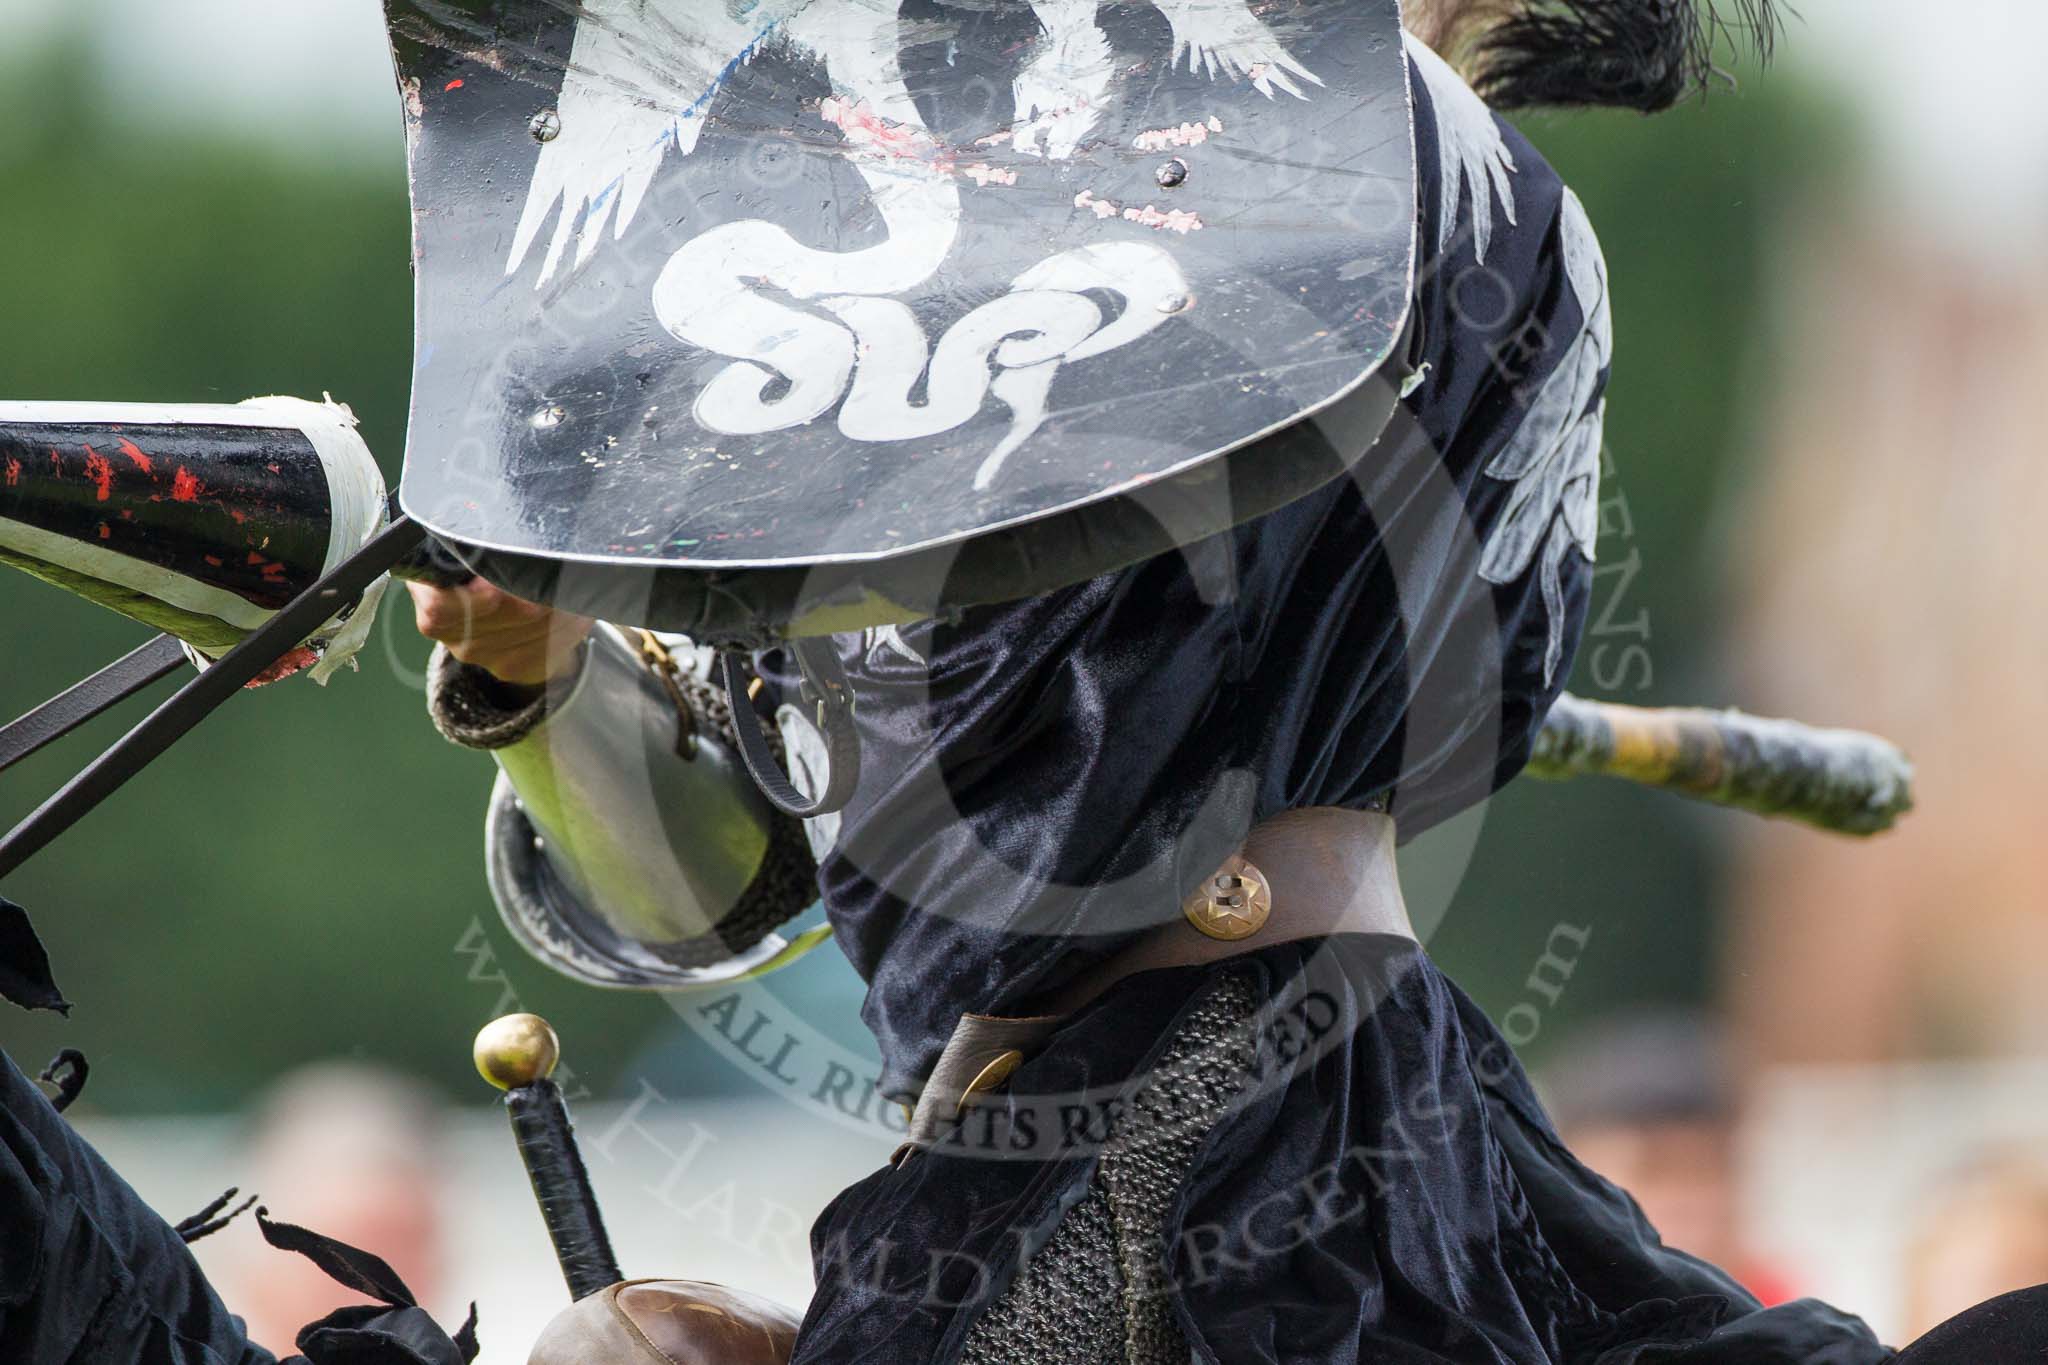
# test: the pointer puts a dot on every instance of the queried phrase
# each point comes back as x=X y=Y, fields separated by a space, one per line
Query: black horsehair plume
x=1632 y=54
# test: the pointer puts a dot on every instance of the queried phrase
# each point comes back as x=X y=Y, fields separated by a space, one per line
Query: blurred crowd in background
x=1816 y=1061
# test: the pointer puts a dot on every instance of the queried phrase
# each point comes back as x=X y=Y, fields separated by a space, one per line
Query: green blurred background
x=303 y=877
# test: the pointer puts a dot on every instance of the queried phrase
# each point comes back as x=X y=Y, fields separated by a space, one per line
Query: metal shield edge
x=756 y=608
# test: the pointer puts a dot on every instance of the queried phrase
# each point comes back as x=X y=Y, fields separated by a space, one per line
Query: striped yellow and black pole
x=1844 y=781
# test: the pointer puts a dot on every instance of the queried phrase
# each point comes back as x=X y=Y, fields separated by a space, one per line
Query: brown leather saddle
x=669 y=1322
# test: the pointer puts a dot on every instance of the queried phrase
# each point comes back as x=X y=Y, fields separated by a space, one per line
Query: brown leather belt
x=1304 y=874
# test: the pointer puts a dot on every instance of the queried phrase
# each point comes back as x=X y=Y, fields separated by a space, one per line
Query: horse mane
x=1632 y=54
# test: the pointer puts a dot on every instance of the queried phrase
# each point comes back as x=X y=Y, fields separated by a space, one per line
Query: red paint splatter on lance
x=100 y=470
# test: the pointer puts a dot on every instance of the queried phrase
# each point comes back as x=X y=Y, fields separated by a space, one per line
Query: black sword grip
x=561 y=1183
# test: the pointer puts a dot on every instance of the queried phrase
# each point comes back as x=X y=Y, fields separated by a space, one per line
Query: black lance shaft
x=518 y=1055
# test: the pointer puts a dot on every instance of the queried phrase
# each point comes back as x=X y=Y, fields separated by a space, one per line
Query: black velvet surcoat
x=1042 y=778
x=1045 y=779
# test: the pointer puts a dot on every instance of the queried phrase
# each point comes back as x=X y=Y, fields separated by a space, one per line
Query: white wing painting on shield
x=641 y=79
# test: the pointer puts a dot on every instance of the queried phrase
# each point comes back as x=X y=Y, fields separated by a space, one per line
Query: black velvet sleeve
x=89 y=1272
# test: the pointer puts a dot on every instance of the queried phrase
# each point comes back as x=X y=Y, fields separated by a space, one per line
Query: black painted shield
x=744 y=283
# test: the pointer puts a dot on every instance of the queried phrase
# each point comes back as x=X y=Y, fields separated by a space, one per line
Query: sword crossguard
x=518 y=1054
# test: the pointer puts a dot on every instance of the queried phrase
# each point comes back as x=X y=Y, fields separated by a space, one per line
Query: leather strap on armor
x=1329 y=871
x=826 y=689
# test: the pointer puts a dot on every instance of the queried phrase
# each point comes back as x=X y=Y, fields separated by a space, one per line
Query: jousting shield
x=759 y=318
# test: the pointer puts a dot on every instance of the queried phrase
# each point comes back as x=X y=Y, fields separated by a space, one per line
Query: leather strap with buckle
x=826 y=690
x=662 y=663
x=980 y=1057
x=1305 y=874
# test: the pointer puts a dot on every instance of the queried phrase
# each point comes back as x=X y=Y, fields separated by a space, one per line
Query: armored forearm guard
x=626 y=845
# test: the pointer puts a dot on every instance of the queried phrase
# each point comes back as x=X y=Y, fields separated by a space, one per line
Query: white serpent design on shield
x=807 y=330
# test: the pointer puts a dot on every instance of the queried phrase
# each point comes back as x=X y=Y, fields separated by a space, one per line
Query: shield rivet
x=1173 y=174
x=1232 y=905
x=545 y=126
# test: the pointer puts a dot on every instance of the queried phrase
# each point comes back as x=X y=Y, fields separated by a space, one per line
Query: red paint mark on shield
x=134 y=453
x=106 y=531
x=451 y=86
x=877 y=135
x=184 y=487
x=100 y=470
x=13 y=471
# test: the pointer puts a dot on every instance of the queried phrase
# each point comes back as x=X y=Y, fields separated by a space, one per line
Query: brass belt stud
x=1232 y=905
x=669 y=672
x=990 y=1078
